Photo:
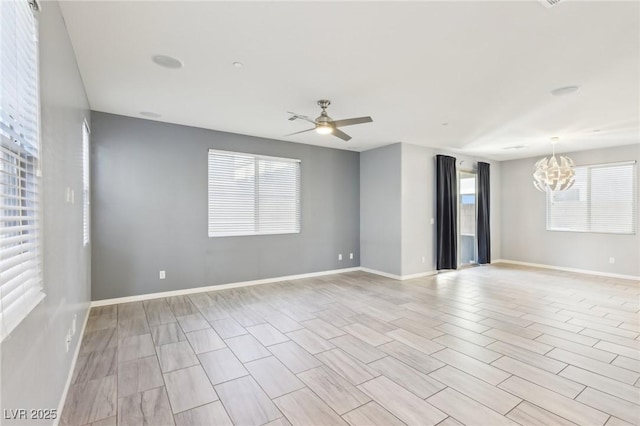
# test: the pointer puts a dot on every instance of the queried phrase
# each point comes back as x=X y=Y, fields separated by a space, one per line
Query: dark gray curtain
x=484 y=231
x=447 y=212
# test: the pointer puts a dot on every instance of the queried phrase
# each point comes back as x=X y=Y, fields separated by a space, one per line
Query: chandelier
x=554 y=173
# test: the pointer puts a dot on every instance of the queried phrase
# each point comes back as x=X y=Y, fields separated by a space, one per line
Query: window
x=253 y=194
x=603 y=199
x=20 y=270
x=85 y=184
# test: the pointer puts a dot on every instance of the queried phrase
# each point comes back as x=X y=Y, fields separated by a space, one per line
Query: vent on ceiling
x=549 y=3
x=515 y=147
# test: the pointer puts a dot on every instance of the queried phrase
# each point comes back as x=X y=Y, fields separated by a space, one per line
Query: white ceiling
x=484 y=67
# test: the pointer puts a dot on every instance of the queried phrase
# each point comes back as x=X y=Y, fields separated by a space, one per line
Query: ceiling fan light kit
x=325 y=125
x=554 y=173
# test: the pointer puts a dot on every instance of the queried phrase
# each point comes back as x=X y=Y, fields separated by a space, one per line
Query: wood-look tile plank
x=595 y=366
x=358 y=349
x=467 y=348
x=606 y=403
x=596 y=381
x=372 y=414
x=466 y=409
x=246 y=402
x=527 y=357
x=139 y=375
x=577 y=348
x=512 y=339
x=283 y=323
x=563 y=334
x=294 y=357
x=267 y=334
x=484 y=393
x=205 y=415
x=409 y=378
x=333 y=389
x=150 y=407
x=99 y=340
x=412 y=357
x=323 y=328
x=627 y=363
x=419 y=327
x=133 y=327
x=310 y=341
x=529 y=414
x=273 y=376
x=605 y=328
x=464 y=334
x=221 y=366
x=349 y=368
x=617 y=349
x=554 y=402
x=188 y=388
x=158 y=312
x=538 y=376
x=402 y=403
x=366 y=334
x=472 y=366
x=415 y=341
x=303 y=408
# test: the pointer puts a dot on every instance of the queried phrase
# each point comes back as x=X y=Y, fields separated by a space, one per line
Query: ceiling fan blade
x=352 y=121
x=302 y=131
x=295 y=116
x=340 y=134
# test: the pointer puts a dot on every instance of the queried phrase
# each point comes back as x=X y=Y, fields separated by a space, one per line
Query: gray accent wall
x=526 y=239
x=380 y=204
x=35 y=363
x=398 y=190
x=150 y=210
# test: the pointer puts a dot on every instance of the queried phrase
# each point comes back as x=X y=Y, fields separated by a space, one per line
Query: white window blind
x=20 y=269
x=85 y=184
x=253 y=194
x=603 y=199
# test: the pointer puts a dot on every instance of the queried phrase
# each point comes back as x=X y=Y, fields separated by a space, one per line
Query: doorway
x=467 y=203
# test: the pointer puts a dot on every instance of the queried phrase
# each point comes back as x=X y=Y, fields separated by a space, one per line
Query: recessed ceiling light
x=555 y=139
x=515 y=147
x=567 y=90
x=238 y=64
x=167 y=61
x=150 y=114
x=445 y=124
x=596 y=130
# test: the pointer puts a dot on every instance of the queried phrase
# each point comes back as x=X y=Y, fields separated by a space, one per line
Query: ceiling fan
x=326 y=125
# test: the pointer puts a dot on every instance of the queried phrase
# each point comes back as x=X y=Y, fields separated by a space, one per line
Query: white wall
x=35 y=363
x=526 y=239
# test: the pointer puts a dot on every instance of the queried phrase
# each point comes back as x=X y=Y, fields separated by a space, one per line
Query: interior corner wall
x=418 y=206
x=526 y=239
x=150 y=210
x=35 y=363
x=380 y=207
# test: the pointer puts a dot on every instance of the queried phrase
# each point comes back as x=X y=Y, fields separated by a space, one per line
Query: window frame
x=589 y=224
x=24 y=154
x=256 y=210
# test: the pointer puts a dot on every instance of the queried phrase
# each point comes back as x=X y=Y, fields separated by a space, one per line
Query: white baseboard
x=67 y=385
x=398 y=277
x=562 y=268
x=217 y=287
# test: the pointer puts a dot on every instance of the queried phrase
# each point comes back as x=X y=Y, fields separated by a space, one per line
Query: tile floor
x=489 y=345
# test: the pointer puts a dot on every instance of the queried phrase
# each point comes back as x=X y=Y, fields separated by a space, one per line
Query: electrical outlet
x=163 y=275
x=423 y=259
x=612 y=260
x=351 y=256
x=340 y=256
